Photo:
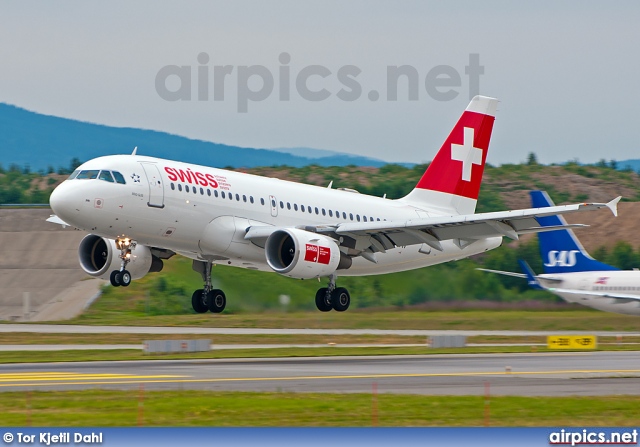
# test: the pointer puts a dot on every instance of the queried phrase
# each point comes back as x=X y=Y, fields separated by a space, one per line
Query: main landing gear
x=207 y=299
x=332 y=297
x=122 y=277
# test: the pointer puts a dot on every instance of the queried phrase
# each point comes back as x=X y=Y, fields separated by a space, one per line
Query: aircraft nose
x=60 y=200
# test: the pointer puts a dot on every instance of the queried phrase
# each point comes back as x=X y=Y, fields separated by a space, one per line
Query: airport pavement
x=167 y=330
x=540 y=374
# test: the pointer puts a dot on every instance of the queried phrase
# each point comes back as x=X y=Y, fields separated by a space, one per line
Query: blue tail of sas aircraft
x=560 y=249
x=531 y=277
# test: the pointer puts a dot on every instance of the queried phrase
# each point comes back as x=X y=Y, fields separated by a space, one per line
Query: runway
x=151 y=330
x=548 y=374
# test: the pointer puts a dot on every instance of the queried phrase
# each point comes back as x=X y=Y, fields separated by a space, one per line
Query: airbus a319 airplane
x=573 y=275
x=141 y=210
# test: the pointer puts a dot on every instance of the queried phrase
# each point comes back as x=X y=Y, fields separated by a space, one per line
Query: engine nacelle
x=99 y=257
x=301 y=254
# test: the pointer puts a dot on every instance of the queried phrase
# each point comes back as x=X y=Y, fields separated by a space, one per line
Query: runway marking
x=68 y=376
x=41 y=379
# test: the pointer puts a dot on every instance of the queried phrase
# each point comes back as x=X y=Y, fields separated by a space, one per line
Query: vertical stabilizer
x=561 y=250
x=451 y=183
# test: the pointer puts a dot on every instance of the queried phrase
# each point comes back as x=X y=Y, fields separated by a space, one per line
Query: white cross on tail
x=467 y=154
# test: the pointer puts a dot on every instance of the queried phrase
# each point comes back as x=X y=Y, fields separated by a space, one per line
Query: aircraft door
x=273 y=203
x=156 y=188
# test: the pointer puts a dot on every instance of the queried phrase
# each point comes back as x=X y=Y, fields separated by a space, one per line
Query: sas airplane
x=141 y=210
x=573 y=275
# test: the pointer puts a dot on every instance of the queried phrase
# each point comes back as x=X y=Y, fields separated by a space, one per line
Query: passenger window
x=344 y=215
x=302 y=208
x=330 y=213
x=273 y=203
x=201 y=191
x=309 y=209
x=173 y=187
x=364 y=218
x=350 y=216
x=88 y=175
x=179 y=187
x=208 y=192
x=119 y=177
x=251 y=199
x=223 y=196
x=288 y=205
x=261 y=201
x=324 y=213
x=238 y=197
x=281 y=205
x=195 y=190
x=186 y=188
x=230 y=196
x=295 y=207
x=244 y=198
x=215 y=192
x=317 y=210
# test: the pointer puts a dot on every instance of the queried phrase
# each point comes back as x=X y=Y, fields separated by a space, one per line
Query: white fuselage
x=621 y=282
x=204 y=212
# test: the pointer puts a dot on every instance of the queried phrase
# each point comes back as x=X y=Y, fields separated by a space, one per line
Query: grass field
x=109 y=312
x=235 y=409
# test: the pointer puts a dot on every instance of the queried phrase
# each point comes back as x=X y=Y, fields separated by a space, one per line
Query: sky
x=316 y=73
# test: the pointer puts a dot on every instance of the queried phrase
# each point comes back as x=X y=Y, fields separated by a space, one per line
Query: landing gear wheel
x=340 y=299
x=216 y=301
x=125 y=278
x=198 y=301
x=115 y=278
x=322 y=303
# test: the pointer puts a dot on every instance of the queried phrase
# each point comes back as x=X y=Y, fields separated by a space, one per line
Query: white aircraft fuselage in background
x=140 y=210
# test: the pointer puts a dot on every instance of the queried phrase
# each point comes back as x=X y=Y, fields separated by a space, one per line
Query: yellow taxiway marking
x=67 y=376
x=116 y=379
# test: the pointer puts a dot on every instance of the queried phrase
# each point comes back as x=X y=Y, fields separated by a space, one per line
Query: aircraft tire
x=321 y=301
x=115 y=278
x=340 y=299
x=216 y=301
x=198 y=303
x=125 y=278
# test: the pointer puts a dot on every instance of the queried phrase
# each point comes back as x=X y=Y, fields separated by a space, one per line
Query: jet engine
x=99 y=257
x=303 y=255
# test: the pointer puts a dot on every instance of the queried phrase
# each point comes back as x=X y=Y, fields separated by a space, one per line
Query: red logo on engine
x=316 y=253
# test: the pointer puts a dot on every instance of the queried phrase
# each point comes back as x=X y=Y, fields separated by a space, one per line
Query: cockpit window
x=106 y=176
x=74 y=174
x=91 y=174
x=119 y=177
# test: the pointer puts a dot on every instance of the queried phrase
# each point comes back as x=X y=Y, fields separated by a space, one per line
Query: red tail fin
x=452 y=181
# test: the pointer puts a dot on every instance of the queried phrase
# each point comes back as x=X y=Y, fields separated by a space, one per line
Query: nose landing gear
x=122 y=277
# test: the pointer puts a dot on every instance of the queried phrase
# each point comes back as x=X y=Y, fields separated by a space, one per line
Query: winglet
x=613 y=205
x=135 y=149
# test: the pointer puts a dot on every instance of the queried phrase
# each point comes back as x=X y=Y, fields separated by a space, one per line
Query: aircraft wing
x=619 y=296
x=462 y=230
x=500 y=272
